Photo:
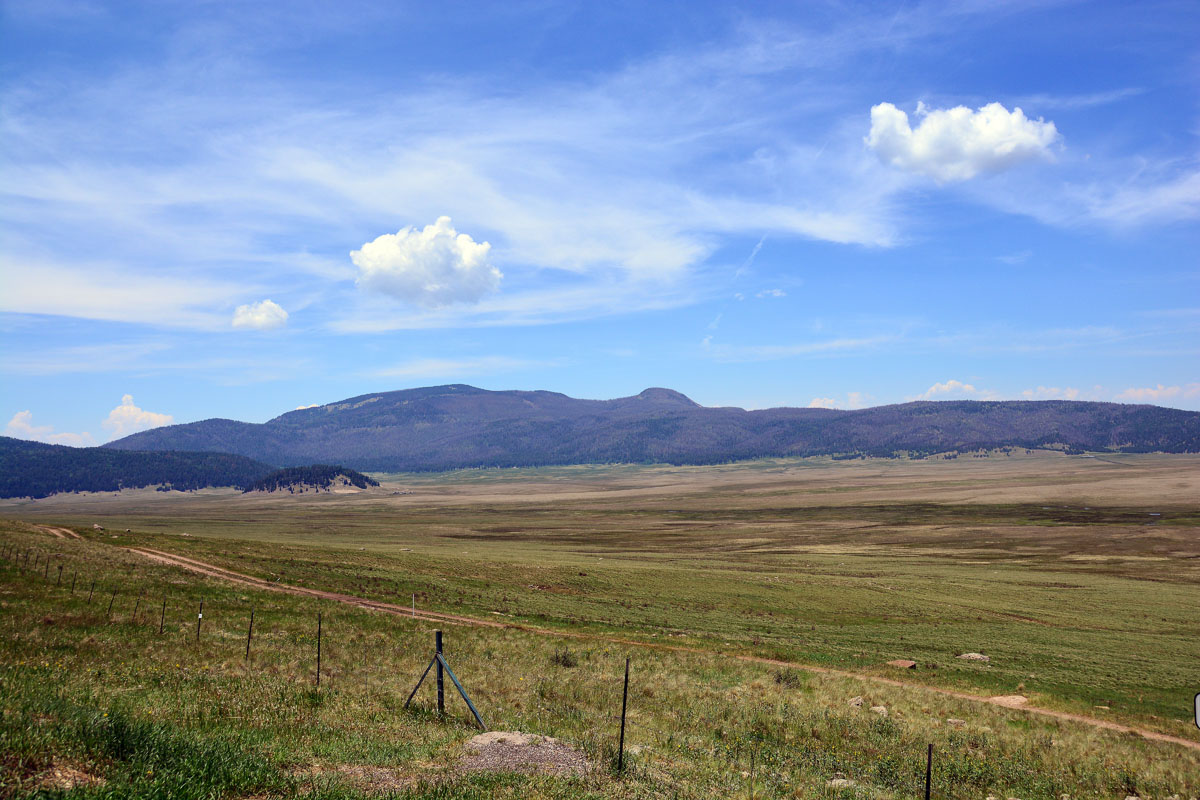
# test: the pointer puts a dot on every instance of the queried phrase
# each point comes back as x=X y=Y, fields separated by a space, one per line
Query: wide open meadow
x=759 y=604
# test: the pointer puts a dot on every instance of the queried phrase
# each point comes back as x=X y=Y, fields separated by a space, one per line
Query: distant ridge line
x=458 y=426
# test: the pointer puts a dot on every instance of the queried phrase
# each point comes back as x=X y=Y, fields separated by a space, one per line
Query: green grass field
x=1079 y=580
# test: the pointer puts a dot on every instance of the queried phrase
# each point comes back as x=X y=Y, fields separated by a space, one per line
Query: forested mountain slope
x=33 y=469
x=447 y=427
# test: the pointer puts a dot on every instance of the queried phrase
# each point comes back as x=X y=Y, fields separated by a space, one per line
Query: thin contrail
x=750 y=260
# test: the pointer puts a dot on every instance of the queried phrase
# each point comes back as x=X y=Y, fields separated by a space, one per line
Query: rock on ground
x=975 y=657
x=880 y=710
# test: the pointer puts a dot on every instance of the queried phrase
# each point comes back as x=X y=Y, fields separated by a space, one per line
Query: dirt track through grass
x=220 y=573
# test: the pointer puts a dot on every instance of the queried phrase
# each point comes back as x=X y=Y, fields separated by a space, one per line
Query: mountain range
x=457 y=426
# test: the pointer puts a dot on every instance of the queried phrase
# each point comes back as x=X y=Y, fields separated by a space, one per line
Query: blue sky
x=236 y=209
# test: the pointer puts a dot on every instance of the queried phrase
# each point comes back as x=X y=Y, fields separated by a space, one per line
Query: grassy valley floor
x=1078 y=578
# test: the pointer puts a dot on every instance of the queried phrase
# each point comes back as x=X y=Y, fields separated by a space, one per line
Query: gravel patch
x=513 y=751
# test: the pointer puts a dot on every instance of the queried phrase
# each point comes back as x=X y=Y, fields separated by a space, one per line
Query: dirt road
x=61 y=533
x=1008 y=701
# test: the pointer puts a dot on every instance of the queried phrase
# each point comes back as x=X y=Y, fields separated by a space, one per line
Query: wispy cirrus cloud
x=423 y=368
x=826 y=347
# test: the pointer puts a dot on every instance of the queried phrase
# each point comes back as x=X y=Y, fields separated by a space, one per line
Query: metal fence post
x=624 y=704
x=928 y=770
x=437 y=641
x=249 y=633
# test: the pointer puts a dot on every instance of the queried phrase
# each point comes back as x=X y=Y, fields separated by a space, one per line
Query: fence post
x=318 y=649
x=163 y=618
x=111 y=600
x=59 y=581
x=414 y=605
x=92 y=589
x=624 y=703
x=47 y=575
x=74 y=576
x=199 y=617
x=137 y=606
x=928 y=770
x=437 y=646
x=249 y=633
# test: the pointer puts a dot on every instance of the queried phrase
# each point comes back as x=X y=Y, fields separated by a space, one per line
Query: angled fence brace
x=440 y=661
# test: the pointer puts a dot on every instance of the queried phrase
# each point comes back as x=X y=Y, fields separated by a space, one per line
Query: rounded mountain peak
x=656 y=394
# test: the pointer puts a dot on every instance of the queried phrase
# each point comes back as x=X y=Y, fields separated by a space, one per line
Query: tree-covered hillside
x=33 y=469
x=448 y=427
x=316 y=476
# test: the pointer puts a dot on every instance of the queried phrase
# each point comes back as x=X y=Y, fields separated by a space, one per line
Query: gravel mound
x=513 y=751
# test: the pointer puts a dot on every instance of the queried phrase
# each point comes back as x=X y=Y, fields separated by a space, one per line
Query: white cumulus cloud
x=823 y=402
x=955 y=144
x=1065 y=393
x=21 y=427
x=262 y=315
x=433 y=267
x=128 y=418
x=955 y=388
x=1155 y=394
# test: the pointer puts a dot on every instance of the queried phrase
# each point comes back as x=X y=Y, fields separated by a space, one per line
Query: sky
x=237 y=209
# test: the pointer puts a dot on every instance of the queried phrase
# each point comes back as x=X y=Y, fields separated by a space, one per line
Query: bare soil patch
x=364 y=777
x=513 y=751
x=62 y=776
